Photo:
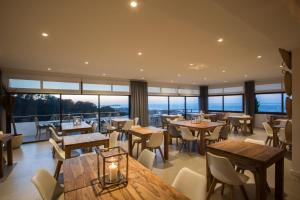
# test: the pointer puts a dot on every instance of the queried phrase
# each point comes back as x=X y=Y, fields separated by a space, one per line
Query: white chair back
x=128 y=124
x=191 y=184
x=222 y=169
x=155 y=140
x=54 y=135
x=59 y=152
x=113 y=139
x=45 y=184
x=288 y=132
x=94 y=127
x=146 y=158
x=136 y=121
x=268 y=128
x=254 y=141
x=186 y=133
x=216 y=132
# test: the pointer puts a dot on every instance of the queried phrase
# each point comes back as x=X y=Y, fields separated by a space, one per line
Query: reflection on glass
x=269 y=102
x=215 y=103
x=157 y=105
x=176 y=105
x=233 y=103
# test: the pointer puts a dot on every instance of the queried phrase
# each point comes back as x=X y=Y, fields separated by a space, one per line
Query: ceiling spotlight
x=225 y=81
x=220 y=40
x=103 y=74
x=143 y=78
x=86 y=62
x=223 y=70
x=133 y=4
x=49 y=69
x=205 y=78
x=45 y=34
x=178 y=75
x=172 y=81
x=281 y=66
x=139 y=53
x=246 y=75
x=141 y=70
x=192 y=64
x=259 y=57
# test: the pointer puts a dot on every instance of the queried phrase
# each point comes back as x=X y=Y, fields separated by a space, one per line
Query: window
x=188 y=91
x=233 y=103
x=215 y=91
x=157 y=105
x=232 y=90
x=192 y=104
x=60 y=85
x=268 y=87
x=96 y=87
x=284 y=102
x=120 y=88
x=24 y=84
x=271 y=102
x=215 y=103
x=177 y=105
x=154 y=89
x=169 y=90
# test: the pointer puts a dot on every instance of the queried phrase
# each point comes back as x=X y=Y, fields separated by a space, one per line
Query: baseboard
x=295 y=173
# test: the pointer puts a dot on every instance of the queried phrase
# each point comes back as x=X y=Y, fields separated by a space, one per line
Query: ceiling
x=171 y=34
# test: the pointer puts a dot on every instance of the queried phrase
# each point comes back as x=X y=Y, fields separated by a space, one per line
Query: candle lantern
x=112 y=166
x=76 y=121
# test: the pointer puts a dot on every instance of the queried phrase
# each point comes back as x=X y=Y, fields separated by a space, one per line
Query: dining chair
x=136 y=141
x=187 y=138
x=94 y=127
x=154 y=142
x=225 y=132
x=235 y=124
x=109 y=128
x=286 y=138
x=146 y=158
x=39 y=127
x=55 y=129
x=254 y=141
x=56 y=138
x=223 y=172
x=173 y=133
x=47 y=186
x=113 y=139
x=248 y=123
x=269 y=132
x=127 y=126
x=214 y=136
x=136 y=121
x=191 y=184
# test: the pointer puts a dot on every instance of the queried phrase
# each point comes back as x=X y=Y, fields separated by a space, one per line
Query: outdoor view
x=232 y=103
x=269 y=102
x=157 y=106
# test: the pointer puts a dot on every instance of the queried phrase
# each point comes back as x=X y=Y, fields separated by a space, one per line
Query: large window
x=177 y=105
x=215 y=103
x=24 y=84
x=192 y=104
x=52 y=85
x=157 y=105
x=270 y=103
x=233 y=103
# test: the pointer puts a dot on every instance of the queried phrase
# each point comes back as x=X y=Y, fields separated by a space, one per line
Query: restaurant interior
x=149 y=99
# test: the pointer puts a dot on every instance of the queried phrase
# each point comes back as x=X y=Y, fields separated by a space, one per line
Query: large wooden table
x=245 y=119
x=164 y=118
x=84 y=141
x=81 y=183
x=256 y=158
x=144 y=133
x=202 y=127
x=119 y=122
x=69 y=127
x=5 y=138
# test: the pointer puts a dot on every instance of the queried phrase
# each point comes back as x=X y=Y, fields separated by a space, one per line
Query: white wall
x=296 y=112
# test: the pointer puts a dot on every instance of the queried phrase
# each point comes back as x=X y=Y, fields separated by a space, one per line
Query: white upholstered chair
x=269 y=132
x=47 y=185
x=127 y=126
x=187 y=137
x=254 y=141
x=146 y=158
x=154 y=142
x=215 y=135
x=113 y=139
x=191 y=184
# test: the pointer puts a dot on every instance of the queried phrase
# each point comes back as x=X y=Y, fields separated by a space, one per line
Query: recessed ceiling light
x=86 y=62
x=259 y=57
x=281 y=66
x=205 y=78
x=49 y=69
x=45 y=34
x=225 y=81
x=220 y=40
x=246 y=75
x=192 y=64
x=143 y=78
x=193 y=83
x=141 y=70
x=178 y=75
x=103 y=74
x=172 y=81
x=133 y=4
x=223 y=70
x=140 y=53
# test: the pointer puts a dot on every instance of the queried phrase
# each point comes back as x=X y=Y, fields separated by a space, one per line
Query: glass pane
x=176 y=105
x=192 y=104
x=33 y=114
x=24 y=84
x=169 y=90
x=268 y=102
x=83 y=106
x=215 y=103
x=154 y=89
x=268 y=87
x=233 y=103
x=215 y=91
x=157 y=106
x=188 y=91
x=60 y=85
x=120 y=88
x=284 y=102
x=229 y=90
x=96 y=87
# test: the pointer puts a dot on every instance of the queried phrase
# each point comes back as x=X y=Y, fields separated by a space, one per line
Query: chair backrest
x=222 y=169
x=268 y=128
x=173 y=131
x=216 y=132
x=45 y=184
x=128 y=124
x=288 y=132
x=155 y=140
x=94 y=127
x=113 y=139
x=59 y=152
x=136 y=121
x=185 y=132
x=146 y=158
x=254 y=141
x=225 y=132
x=54 y=135
x=191 y=184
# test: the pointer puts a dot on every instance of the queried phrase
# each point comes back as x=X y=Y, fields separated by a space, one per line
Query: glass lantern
x=112 y=166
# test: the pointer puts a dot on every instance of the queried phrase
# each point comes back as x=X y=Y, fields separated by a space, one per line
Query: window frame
x=274 y=113
x=224 y=95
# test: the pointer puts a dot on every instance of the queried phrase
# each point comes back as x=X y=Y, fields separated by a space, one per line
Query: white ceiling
x=170 y=33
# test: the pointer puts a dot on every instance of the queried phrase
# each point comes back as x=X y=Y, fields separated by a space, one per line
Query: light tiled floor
x=17 y=185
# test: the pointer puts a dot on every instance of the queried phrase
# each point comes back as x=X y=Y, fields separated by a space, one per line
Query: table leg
x=245 y=127
x=106 y=144
x=202 y=142
x=67 y=152
x=9 y=153
x=130 y=143
x=144 y=140
x=166 y=145
x=261 y=184
x=1 y=160
x=279 y=180
x=275 y=137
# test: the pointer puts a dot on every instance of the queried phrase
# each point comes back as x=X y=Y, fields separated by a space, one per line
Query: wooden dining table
x=69 y=127
x=118 y=122
x=81 y=182
x=144 y=133
x=5 y=139
x=202 y=127
x=243 y=118
x=256 y=158
x=84 y=141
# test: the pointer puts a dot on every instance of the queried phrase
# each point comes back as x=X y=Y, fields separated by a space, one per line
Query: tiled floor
x=17 y=185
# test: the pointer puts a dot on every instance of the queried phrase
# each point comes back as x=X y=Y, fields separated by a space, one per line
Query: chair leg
x=137 y=149
x=267 y=140
x=211 y=188
x=161 y=154
x=57 y=170
x=222 y=190
x=244 y=192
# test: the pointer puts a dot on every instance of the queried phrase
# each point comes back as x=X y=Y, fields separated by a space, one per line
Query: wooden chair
x=286 y=138
x=235 y=124
x=187 y=138
x=173 y=133
x=269 y=132
x=225 y=132
x=146 y=158
x=39 y=128
x=214 y=136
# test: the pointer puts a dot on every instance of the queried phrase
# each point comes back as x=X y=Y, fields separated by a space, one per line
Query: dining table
x=118 y=122
x=202 y=127
x=256 y=158
x=88 y=140
x=243 y=118
x=164 y=118
x=144 y=133
x=81 y=182
x=70 y=127
x=5 y=138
